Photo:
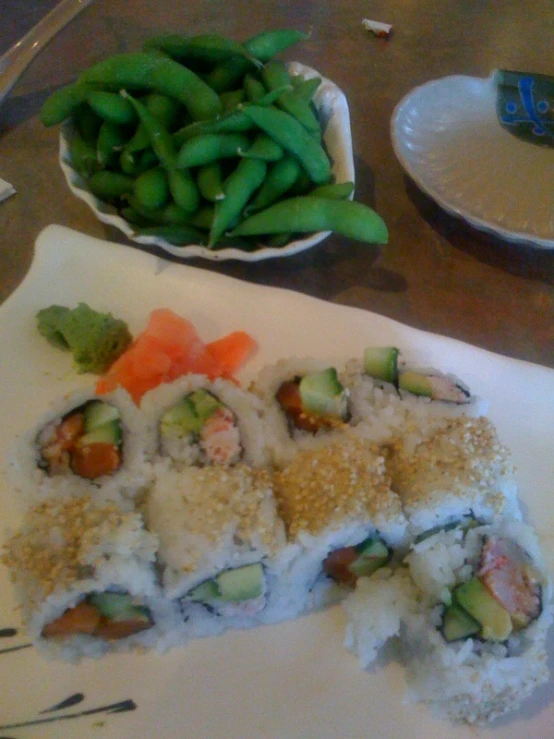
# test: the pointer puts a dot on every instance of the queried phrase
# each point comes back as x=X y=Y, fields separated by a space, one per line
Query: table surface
x=436 y=273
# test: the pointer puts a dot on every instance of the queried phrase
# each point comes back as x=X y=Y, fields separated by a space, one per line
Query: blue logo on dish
x=534 y=110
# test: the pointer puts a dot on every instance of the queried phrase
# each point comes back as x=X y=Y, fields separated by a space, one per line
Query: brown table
x=436 y=273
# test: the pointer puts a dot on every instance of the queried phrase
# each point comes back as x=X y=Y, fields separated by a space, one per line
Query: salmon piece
x=82 y=619
x=120 y=629
x=288 y=396
x=336 y=565
x=94 y=460
x=507 y=573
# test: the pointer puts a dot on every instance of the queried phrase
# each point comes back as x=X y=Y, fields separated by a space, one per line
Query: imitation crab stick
x=170 y=347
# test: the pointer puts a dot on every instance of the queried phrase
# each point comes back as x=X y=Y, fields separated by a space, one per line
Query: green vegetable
x=307 y=214
x=95 y=339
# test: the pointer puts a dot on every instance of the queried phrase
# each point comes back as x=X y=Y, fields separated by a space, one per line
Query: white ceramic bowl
x=335 y=119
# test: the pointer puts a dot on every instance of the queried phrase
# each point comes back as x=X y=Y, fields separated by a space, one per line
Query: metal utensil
x=16 y=60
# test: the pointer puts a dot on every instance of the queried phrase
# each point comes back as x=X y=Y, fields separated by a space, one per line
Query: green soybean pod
x=87 y=123
x=63 y=103
x=177 y=234
x=210 y=48
x=132 y=216
x=170 y=213
x=280 y=178
x=210 y=181
x=183 y=189
x=111 y=107
x=160 y=139
x=158 y=73
x=308 y=214
x=305 y=88
x=136 y=162
x=253 y=88
x=275 y=75
x=231 y=99
x=294 y=138
x=335 y=190
x=82 y=155
x=110 y=186
x=239 y=187
x=208 y=148
x=110 y=142
x=236 y=122
x=263 y=147
x=167 y=110
x=152 y=188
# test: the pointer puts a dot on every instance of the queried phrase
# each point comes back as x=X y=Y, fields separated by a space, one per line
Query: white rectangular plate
x=294 y=680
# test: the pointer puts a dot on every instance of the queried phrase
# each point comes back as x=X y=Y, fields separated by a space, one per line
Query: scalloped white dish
x=293 y=680
x=335 y=118
x=447 y=137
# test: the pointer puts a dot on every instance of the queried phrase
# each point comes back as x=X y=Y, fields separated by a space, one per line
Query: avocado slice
x=382 y=363
x=373 y=553
x=416 y=383
x=323 y=394
x=477 y=601
x=119 y=607
x=458 y=624
x=97 y=413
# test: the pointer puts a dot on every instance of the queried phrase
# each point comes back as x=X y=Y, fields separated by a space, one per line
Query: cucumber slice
x=458 y=624
x=206 y=591
x=190 y=413
x=241 y=583
x=205 y=404
x=382 y=363
x=323 y=394
x=119 y=607
x=373 y=553
x=416 y=383
x=97 y=413
x=477 y=601
x=108 y=433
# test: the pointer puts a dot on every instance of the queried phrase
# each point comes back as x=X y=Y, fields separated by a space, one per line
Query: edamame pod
x=111 y=107
x=239 y=187
x=87 y=123
x=275 y=75
x=294 y=138
x=183 y=189
x=231 y=99
x=171 y=213
x=110 y=186
x=160 y=139
x=307 y=214
x=335 y=190
x=210 y=48
x=280 y=178
x=236 y=122
x=110 y=142
x=158 y=73
x=63 y=103
x=264 y=148
x=83 y=155
x=210 y=182
x=304 y=88
x=208 y=148
x=151 y=188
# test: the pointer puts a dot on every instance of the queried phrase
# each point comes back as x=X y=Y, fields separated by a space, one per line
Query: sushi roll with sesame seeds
x=85 y=575
x=475 y=647
x=197 y=421
x=222 y=546
x=452 y=470
x=341 y=516
x=86 y=444
x=305 y=405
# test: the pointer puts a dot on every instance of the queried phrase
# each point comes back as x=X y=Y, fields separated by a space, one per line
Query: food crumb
x=381 y=30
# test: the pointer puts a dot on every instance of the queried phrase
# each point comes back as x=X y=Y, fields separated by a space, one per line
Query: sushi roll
x=387 y=393
x=86 y=577
x=471 y=610
x=341 y=516
x=222 y=546
x=197 y=421
x=451 y=470
x=86 y=444
x=305 y=405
